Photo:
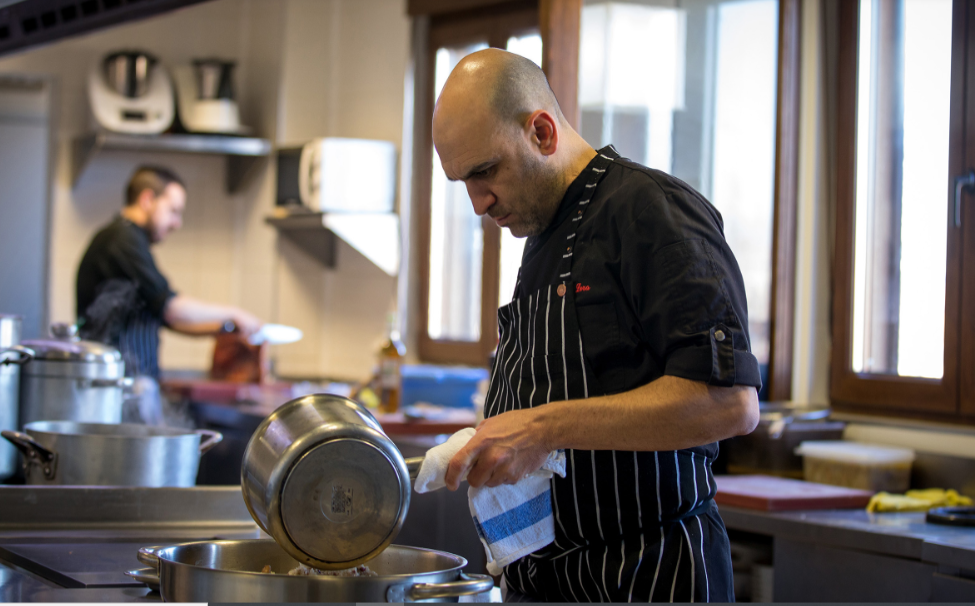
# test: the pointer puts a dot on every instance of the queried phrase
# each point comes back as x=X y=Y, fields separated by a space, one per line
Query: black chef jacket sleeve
x=133 y=259
x=687 y=290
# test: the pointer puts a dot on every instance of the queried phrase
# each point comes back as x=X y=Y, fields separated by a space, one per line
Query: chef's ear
x=146 y=199
x=544 y=132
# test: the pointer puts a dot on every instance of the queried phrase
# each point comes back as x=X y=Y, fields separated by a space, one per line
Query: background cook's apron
x=629 y=526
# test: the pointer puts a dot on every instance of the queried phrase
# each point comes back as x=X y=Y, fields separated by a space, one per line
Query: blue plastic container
x=441 y=385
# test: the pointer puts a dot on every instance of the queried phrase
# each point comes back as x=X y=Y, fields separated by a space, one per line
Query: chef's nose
x=481 y=198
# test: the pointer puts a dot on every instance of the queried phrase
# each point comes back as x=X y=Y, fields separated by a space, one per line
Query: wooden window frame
x=952 y=397
x=494 y=23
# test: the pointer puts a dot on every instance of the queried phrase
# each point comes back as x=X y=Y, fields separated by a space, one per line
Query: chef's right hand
x=246 y=323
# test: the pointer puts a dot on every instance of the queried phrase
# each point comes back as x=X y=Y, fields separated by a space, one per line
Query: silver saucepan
x=230 y=571
x=321 y=477
x=111 y=454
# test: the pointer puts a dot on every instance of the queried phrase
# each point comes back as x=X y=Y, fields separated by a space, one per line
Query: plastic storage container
x=440 y=385
x=857 y=465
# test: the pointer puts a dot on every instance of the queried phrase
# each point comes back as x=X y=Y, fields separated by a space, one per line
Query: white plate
x=276 y=334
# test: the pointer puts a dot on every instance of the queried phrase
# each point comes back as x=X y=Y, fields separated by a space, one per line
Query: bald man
x=626 y=345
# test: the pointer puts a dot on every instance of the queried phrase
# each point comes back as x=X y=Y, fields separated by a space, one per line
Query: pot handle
x=468 y=584
x=24 y=355
x=413 y=465
x=120 y=382
x=34 y=453
x=209 y=439
x=147 y=555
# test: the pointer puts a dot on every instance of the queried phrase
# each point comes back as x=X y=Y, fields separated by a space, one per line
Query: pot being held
x=65 y=453
x=71 y=380
x=321 y=477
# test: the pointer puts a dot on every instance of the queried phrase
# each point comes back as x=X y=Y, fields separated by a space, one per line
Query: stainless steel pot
x=230 y=571
x=66 y=453
x=11 y=356
x=71 y=380
x=321 y=477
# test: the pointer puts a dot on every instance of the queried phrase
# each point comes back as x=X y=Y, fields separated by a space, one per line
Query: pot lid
x=64 y=346
x=343 y=502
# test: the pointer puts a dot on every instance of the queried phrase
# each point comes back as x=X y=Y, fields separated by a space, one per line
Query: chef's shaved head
x=509 y=85
x=498 y=128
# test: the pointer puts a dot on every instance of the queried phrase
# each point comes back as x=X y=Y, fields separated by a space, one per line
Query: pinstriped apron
x=630 y=526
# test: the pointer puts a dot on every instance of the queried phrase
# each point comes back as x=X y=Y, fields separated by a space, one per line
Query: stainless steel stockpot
x=230 y=571
x=66 y=453
x=11 y=356
x=321 y=477
x=71 y=380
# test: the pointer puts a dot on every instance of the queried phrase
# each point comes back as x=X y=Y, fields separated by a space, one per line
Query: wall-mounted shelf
x=242 y=152
x=375 y=235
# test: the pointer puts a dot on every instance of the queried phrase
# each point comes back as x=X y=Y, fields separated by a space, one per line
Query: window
x=904 y=272
x=468 y=266
x=690 y=89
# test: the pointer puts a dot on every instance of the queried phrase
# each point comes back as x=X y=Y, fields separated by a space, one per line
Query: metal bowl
x=230 y=571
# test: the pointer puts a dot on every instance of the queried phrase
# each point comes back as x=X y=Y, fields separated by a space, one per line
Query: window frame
x=493 y=24
x=953 y=395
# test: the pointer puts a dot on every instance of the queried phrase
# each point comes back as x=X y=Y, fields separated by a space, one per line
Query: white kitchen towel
x=512 y=520
x=434 y=467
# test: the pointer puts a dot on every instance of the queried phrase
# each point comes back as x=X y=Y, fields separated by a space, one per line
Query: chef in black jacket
x=122 y=297
x=626 y=345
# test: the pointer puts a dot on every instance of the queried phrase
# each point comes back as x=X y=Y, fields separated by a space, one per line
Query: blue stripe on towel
x=515 y=520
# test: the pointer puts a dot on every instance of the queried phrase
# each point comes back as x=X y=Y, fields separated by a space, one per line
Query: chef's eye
x=482 y=173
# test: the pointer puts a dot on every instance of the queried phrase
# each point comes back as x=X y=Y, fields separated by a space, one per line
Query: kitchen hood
x=28 y=23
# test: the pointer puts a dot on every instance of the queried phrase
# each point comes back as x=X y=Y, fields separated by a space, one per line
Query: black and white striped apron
x=630 y=526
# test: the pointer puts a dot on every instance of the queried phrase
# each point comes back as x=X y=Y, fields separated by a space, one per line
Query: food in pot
x=304 y=570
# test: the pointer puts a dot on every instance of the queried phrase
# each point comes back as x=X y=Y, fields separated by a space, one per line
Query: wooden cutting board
x=769 y=493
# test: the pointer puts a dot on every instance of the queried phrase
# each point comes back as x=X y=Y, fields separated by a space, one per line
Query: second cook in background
x=626 y=344
x=122 y=297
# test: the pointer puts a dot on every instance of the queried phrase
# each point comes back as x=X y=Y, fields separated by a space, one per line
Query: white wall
x=303 y=69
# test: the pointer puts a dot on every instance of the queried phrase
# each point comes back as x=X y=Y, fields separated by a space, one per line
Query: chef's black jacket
x=657 y=289
x=118 y=281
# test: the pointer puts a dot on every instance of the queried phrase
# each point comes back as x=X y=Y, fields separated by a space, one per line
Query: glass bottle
x=390 y=360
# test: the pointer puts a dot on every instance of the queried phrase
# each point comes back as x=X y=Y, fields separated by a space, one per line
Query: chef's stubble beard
x=542 y=196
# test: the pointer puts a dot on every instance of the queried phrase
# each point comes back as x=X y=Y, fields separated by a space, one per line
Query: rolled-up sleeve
x=688 y=294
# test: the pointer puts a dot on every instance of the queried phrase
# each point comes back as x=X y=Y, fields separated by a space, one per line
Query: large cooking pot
x=71 y=380
x=11 y=355
x=321 y=477
x=66 y=453
x=230 y=571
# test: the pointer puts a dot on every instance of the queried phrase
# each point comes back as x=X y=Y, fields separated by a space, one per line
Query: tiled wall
x=303 y=69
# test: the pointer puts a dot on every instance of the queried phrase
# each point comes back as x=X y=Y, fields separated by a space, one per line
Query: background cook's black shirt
x=656 y=285
x=119 y=257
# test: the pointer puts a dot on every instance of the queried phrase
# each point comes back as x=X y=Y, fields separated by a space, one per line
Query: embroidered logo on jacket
x=581 y=287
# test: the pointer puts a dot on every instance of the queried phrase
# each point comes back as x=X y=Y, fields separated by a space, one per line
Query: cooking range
x=76 y=544
x=69 y=544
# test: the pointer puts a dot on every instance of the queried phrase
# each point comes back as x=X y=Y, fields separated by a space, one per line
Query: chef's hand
x=504 y=450
x=246 y=323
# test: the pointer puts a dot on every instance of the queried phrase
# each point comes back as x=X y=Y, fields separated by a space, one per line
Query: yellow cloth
x=917 y=500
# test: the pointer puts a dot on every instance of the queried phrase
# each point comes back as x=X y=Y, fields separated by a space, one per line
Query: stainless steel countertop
x=72 y=544
x=905 y=535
